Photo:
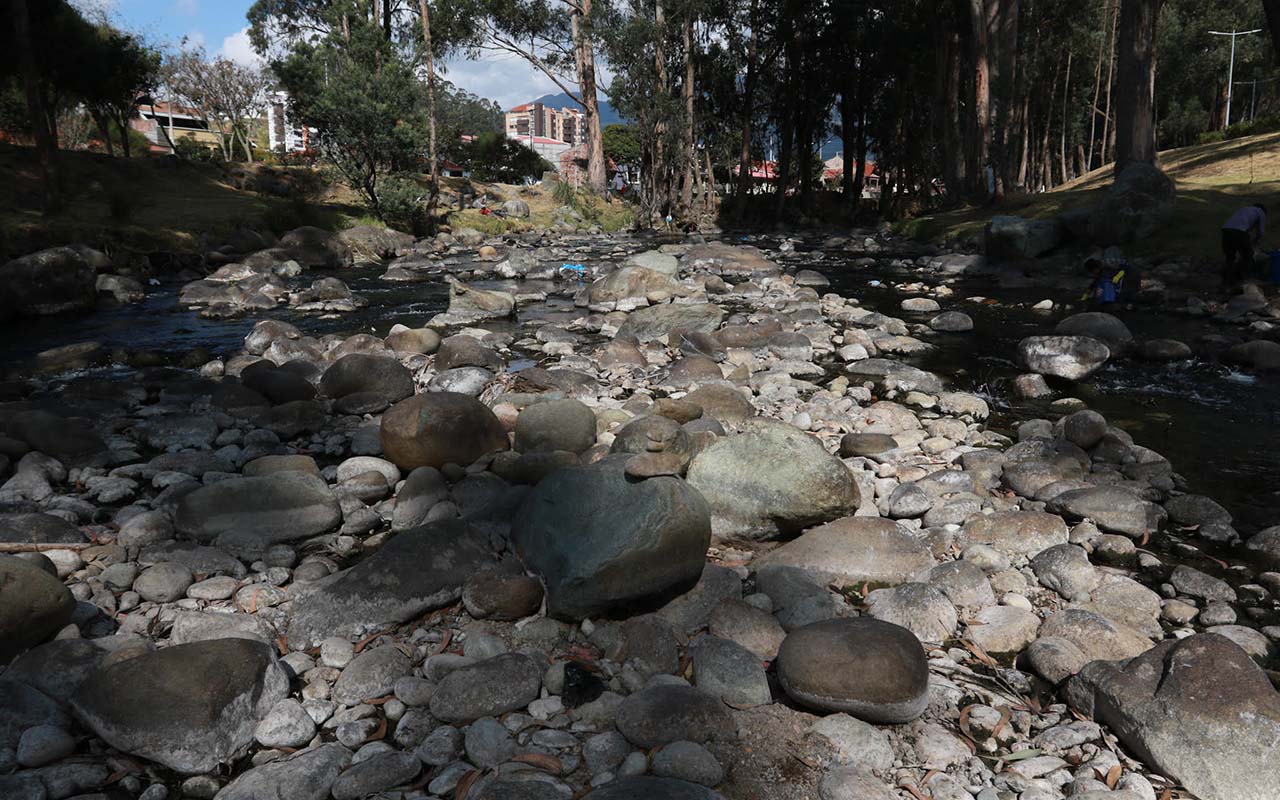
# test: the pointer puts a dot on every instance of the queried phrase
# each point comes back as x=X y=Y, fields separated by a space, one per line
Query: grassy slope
x=1213 y=180
x=171 y=206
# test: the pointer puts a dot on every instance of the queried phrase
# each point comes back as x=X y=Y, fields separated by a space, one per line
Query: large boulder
x=70 y=440
x=1097 y=325
x=742 y=261
x=416 y=571
x=1140 y=201
x=316 y=248
x=1023 y=533
x=1204 y=685
x=192 y=707
x=1016 y=237
x=250 y=514
x=601 y=541
x=469 y=305
x=306 y=775
x=772 y=479
x=49 y=282
x=873 y=670
x=374 y=243
x=632 y=283
x=438 y=428
x=854 y=551
x=657 y=261
x=365 y=373
x=657 y=322
x=34 y=605
x=555 y=425
x=1071 y=357
x=1113 y=509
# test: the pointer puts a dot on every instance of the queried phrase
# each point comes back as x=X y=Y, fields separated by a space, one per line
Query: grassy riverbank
x=1213 y=180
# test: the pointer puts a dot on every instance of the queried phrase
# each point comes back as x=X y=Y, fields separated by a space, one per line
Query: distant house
x=166 y=122
x=833 y=177
x=283 y=134
x=550 y=149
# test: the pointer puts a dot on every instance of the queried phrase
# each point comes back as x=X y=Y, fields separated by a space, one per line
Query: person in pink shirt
x=1240 y=234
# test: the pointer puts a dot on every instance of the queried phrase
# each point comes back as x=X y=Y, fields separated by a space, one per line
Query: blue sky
x=220 y=26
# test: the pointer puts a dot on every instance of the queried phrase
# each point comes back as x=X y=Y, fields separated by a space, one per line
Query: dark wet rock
x=34 y=605
x=1205 y=685
x=873 y=670
x=503 y=596
x=361 y=373
x=567 y=425
x=771 y=479
x=490 y=688
x=691 y=611
x=1112 y=509
x=37 y=527
x=600 y=541
x=276 y=384
x=657 y=322
x=373 y=243
x=196 y=709
x=952 y=322
x=439 y=428
x=71 y=441
x=374 y=774
x=466 y=351
x=855 y=551
x=649 y=788
x=1071 y=357
x=417 y=571
x=290 y=420
x=866 y=444
x=666 y=713
x=50 y=281
x=316 y=248
x=1097 y=325
x=253 y=513
x=23 y=707
x=57 y=668
x=306 y=775
x=728 y=670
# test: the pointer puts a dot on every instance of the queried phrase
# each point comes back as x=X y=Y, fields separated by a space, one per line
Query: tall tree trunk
x=848 y=138
x=1008 y=84
x=433 y=198
x=954 y=159
x=748 y=99
x=981 y=124
x=661 y=169
x=104 y=128
x=690 y=132
x=787 y=121
x=859 y=178
x=1046 y=162
x=709 y=186
x=1024 y=155
x=585 y=54
x=1097 y=98
x=1111 y=64
x=1062 y=142
x=1136 y=86
x=46 y=142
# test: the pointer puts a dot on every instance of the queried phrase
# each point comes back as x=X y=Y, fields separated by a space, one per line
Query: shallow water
x=1220 y=427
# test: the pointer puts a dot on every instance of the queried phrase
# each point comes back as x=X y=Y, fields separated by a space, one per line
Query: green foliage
x=189 y=149
x=362 y=95
x=404 y=204
x=493 y=158
x=1253 y=127
x=621 y=144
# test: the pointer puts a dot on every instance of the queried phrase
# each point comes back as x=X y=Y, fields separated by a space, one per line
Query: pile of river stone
x=719 y=543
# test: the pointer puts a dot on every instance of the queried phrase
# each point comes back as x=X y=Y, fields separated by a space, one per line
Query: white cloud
x=237 y=48
x=187 y=7
x=509 y=79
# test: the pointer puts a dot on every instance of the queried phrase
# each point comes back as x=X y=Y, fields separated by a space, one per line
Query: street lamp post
x=1231 y=71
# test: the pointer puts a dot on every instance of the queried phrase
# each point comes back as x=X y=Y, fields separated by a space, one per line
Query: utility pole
x=1231 y=71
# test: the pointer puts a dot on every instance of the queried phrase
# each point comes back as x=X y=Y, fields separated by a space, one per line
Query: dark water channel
x=1219 y=427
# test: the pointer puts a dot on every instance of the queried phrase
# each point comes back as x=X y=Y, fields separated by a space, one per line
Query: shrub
x=403 y=204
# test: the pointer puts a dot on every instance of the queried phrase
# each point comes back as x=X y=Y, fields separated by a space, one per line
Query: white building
x=283 y=135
